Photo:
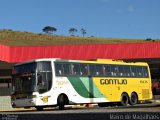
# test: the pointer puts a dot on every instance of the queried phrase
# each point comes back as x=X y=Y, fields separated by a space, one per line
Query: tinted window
x=139 y=71
x=121 y=71
x=107 y=70
x=75 y=68
x=44 y=66
x=134 y=71
x=99 y=70
x=127 y=71
x=59 y=69
x=66 y=68
x=92 y=70
x=84 y=69
x=145 y=71
x=28 y=67
x=114 y=70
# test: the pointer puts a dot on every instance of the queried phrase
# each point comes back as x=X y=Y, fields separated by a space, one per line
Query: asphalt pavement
x=150 y=111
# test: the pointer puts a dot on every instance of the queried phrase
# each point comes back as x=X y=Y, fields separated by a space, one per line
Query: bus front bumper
x=23 y=103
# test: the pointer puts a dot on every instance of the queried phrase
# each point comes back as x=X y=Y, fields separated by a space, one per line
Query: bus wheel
x=62 y=101
x=39 y=108
x=133 y=99
x=124 y=99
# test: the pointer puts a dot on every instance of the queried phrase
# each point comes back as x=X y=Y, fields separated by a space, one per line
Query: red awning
x=81 y=52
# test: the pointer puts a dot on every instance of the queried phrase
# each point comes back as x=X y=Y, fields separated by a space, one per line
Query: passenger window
x=66 y=68
x=121 y=71
x=92 y=70
x=127 y=71
x=75 y=69
x=107 y=70
x=133 y=71
x=99 y=70
x=84 y=69
x=139 y=71
x=59 y=69
x=114 y=70
x=145 y=72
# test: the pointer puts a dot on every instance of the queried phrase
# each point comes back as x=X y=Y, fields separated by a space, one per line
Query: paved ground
x=149 y=111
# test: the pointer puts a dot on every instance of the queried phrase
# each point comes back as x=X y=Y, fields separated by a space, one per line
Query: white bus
x=56 y=82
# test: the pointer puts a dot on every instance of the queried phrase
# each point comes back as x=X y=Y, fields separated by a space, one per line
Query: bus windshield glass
x=32 y=77
x=24 y=78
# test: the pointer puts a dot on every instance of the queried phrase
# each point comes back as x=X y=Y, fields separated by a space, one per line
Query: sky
x=133 y=19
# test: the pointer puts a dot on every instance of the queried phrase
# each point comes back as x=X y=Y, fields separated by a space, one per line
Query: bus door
x=44 y=81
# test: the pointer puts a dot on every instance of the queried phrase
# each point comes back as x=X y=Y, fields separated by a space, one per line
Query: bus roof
x=100 y=61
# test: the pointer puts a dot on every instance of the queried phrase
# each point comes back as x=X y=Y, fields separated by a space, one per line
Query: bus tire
x=62 y=101
x=133 y=99
x=39 y=108
x=124 y=99
x=103 y=104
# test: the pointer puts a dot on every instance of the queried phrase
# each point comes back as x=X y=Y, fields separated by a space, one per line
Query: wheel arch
x=124 y=93
x=65 y=96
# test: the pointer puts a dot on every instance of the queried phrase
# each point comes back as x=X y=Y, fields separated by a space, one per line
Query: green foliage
x=72 y=31
x=83 y=31
x=49 y=29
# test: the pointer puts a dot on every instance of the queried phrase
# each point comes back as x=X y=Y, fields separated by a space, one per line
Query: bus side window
x=107 y=70
x=67 y=69
x=134 y=71
x=59 y=69
x=140 y=71
x=84 y=69
x=75 y=69
x=127 y=71
x=145 y=72
x=121 y=70
x=92 y=70
x=99 y=70
x=114 y=70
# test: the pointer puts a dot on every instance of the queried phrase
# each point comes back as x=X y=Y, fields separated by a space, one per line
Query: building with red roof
x=146 y=52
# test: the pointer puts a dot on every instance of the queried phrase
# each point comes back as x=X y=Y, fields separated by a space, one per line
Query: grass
x=15 y=38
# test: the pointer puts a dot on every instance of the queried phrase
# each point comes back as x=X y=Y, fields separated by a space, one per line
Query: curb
x=30 y=109
x=17 y=109
x=155 y=101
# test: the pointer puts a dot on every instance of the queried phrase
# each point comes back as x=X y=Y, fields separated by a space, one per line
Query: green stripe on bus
x=79 y=86
x=91 y=87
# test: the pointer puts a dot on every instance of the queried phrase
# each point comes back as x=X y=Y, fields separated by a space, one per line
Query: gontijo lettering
x=113 y=81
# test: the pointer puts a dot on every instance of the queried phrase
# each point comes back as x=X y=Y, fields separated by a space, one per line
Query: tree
x=49 y=29
x=72 y=31
x=149 y=39
x=83 y=31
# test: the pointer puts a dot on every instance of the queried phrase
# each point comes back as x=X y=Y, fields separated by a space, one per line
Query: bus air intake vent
x=145 y=93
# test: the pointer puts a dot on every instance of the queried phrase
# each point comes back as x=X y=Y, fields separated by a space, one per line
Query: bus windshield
x=24 y=83
x=24 y=78
x=32 y=77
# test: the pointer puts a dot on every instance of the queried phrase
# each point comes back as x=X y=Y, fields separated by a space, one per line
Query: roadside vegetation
x=16 y=38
